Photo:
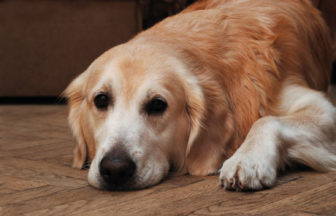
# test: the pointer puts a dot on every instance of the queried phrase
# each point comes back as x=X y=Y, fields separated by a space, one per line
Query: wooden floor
x=36 y=178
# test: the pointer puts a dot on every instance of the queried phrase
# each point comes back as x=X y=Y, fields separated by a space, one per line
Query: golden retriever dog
x=228 y=87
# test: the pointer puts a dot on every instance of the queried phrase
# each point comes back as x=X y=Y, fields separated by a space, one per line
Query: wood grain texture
x=36 y=178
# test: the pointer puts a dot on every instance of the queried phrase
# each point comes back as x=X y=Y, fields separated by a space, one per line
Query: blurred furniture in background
x=45 y=43
x=328 y=10
x=156 y=10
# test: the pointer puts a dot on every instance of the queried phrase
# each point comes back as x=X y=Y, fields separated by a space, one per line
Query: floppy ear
x=195 y=110
x=211 y=128
x=75 y=94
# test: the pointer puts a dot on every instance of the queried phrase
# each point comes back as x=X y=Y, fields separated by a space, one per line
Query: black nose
x=117 y=169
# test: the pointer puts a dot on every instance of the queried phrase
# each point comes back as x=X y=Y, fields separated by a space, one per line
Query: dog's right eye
x=156 y=106
x=101 y=101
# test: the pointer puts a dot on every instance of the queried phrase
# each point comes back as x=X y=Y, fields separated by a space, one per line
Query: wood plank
x=286 y=190
x=93 y=199
x=314 y=201
x=52 y=174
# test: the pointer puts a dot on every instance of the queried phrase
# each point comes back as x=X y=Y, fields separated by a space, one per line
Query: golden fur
x=223 y=65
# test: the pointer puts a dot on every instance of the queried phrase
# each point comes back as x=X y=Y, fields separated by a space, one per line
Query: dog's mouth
x=128 y=182
x=120 y=186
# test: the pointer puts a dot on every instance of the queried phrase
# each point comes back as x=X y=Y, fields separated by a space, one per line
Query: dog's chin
x=128 y=186
x=135 y=183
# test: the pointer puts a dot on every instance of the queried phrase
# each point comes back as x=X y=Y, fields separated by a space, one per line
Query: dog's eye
x=101 y=101
x=156 y=106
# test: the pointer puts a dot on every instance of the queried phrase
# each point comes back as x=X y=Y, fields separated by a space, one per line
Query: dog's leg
x=304 y=132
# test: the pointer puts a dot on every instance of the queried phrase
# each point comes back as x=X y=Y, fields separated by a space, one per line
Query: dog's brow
x=101 y=86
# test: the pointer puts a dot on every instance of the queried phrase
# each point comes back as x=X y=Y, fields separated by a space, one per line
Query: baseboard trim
x=33 y=100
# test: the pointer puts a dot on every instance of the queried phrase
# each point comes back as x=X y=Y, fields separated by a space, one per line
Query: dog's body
x=229 y=86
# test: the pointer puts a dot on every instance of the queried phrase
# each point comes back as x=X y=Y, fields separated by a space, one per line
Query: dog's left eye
x=156 y=106
x=101 y=101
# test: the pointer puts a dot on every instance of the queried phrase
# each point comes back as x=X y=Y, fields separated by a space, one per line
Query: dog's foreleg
x=304 y=132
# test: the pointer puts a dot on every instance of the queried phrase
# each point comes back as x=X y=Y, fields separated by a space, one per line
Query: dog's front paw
x=243 y=172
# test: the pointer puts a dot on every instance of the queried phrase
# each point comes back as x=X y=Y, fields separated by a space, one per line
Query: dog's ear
x=76 y=99
x=195 y=109
x=211 y=127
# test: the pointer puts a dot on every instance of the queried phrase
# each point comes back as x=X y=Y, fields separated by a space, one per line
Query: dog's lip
x=127 y=186
x=86 y=165
x=131 y=185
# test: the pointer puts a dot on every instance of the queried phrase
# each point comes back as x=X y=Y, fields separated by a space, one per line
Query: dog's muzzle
x=117 y=169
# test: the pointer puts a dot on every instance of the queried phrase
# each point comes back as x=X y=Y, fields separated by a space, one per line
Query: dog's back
x=288 y=38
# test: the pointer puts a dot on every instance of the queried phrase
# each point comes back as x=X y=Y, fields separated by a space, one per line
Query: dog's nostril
x=117 y=171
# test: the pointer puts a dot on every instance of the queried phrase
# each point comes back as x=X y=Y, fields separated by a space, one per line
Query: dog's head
x=134 y=113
